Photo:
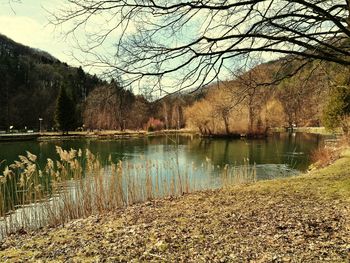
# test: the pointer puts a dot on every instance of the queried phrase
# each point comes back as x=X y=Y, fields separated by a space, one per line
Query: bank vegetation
x=304 y=218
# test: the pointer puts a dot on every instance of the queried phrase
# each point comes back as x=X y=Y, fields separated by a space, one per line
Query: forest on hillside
x=265 y=96
x=269 y=95
x=30 y=83
x=30 y=86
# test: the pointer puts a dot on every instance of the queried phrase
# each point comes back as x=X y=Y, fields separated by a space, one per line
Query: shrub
x=154 y=124
x=323 y=156
x=337 y=111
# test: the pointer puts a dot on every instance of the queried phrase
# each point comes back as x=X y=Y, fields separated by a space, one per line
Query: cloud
x=22 y=29
x=31 y=32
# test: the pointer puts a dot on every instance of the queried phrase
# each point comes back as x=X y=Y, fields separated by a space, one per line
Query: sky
x=27 y=23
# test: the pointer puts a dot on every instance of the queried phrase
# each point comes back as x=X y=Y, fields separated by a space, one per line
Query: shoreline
x=313 y=130
x=114 y=134
x=46 y=136
x=304 y=218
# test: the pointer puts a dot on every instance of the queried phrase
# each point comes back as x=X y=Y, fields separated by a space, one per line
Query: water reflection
x=281 y=148
x=164 y=163
x=286 y=149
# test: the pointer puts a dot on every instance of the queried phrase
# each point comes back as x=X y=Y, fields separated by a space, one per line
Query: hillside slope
x=283 y=93
x=30 y=83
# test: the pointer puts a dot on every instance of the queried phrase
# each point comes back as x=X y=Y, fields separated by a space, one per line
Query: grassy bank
x=116 y=134
x=315 y=130
x=111 y=134
x=105 y=134
x=300 y=219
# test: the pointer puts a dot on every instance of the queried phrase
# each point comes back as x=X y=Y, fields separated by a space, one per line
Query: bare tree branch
x=191 y=43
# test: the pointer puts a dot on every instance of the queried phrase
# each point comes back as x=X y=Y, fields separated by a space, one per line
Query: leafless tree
x=253 y=92
x=202 y=116
x=194 y=41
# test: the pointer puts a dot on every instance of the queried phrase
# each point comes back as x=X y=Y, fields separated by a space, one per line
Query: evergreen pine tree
x=65 y=112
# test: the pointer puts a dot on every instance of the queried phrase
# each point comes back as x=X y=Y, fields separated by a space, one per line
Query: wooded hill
x=30 y=83
x=283 y=93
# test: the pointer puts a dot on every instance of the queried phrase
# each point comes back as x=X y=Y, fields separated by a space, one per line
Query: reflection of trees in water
x=297 y=148
x=220 y=151
x=276 y=149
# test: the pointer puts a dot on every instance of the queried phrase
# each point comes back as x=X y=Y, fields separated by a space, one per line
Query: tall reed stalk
x=78 y=185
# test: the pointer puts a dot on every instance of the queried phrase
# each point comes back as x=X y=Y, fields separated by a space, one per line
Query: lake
x=128 y=171
x=290 y=151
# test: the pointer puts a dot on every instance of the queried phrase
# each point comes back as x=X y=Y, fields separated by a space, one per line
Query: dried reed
x=78 y=185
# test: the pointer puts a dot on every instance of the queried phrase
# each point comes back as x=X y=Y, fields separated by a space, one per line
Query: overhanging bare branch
x=189 y=43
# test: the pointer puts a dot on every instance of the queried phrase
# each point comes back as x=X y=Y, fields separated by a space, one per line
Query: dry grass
x=323 y=156
x=297 y=219
x=79 y=185
x=328 y=153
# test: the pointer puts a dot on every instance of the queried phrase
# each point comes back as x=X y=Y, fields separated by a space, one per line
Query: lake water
x=163 y=164
x=280 y=153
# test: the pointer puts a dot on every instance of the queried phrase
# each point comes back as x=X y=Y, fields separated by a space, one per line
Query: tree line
x=253 y=102
x=31 y=81
x=36 y=85
x=221 y=35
